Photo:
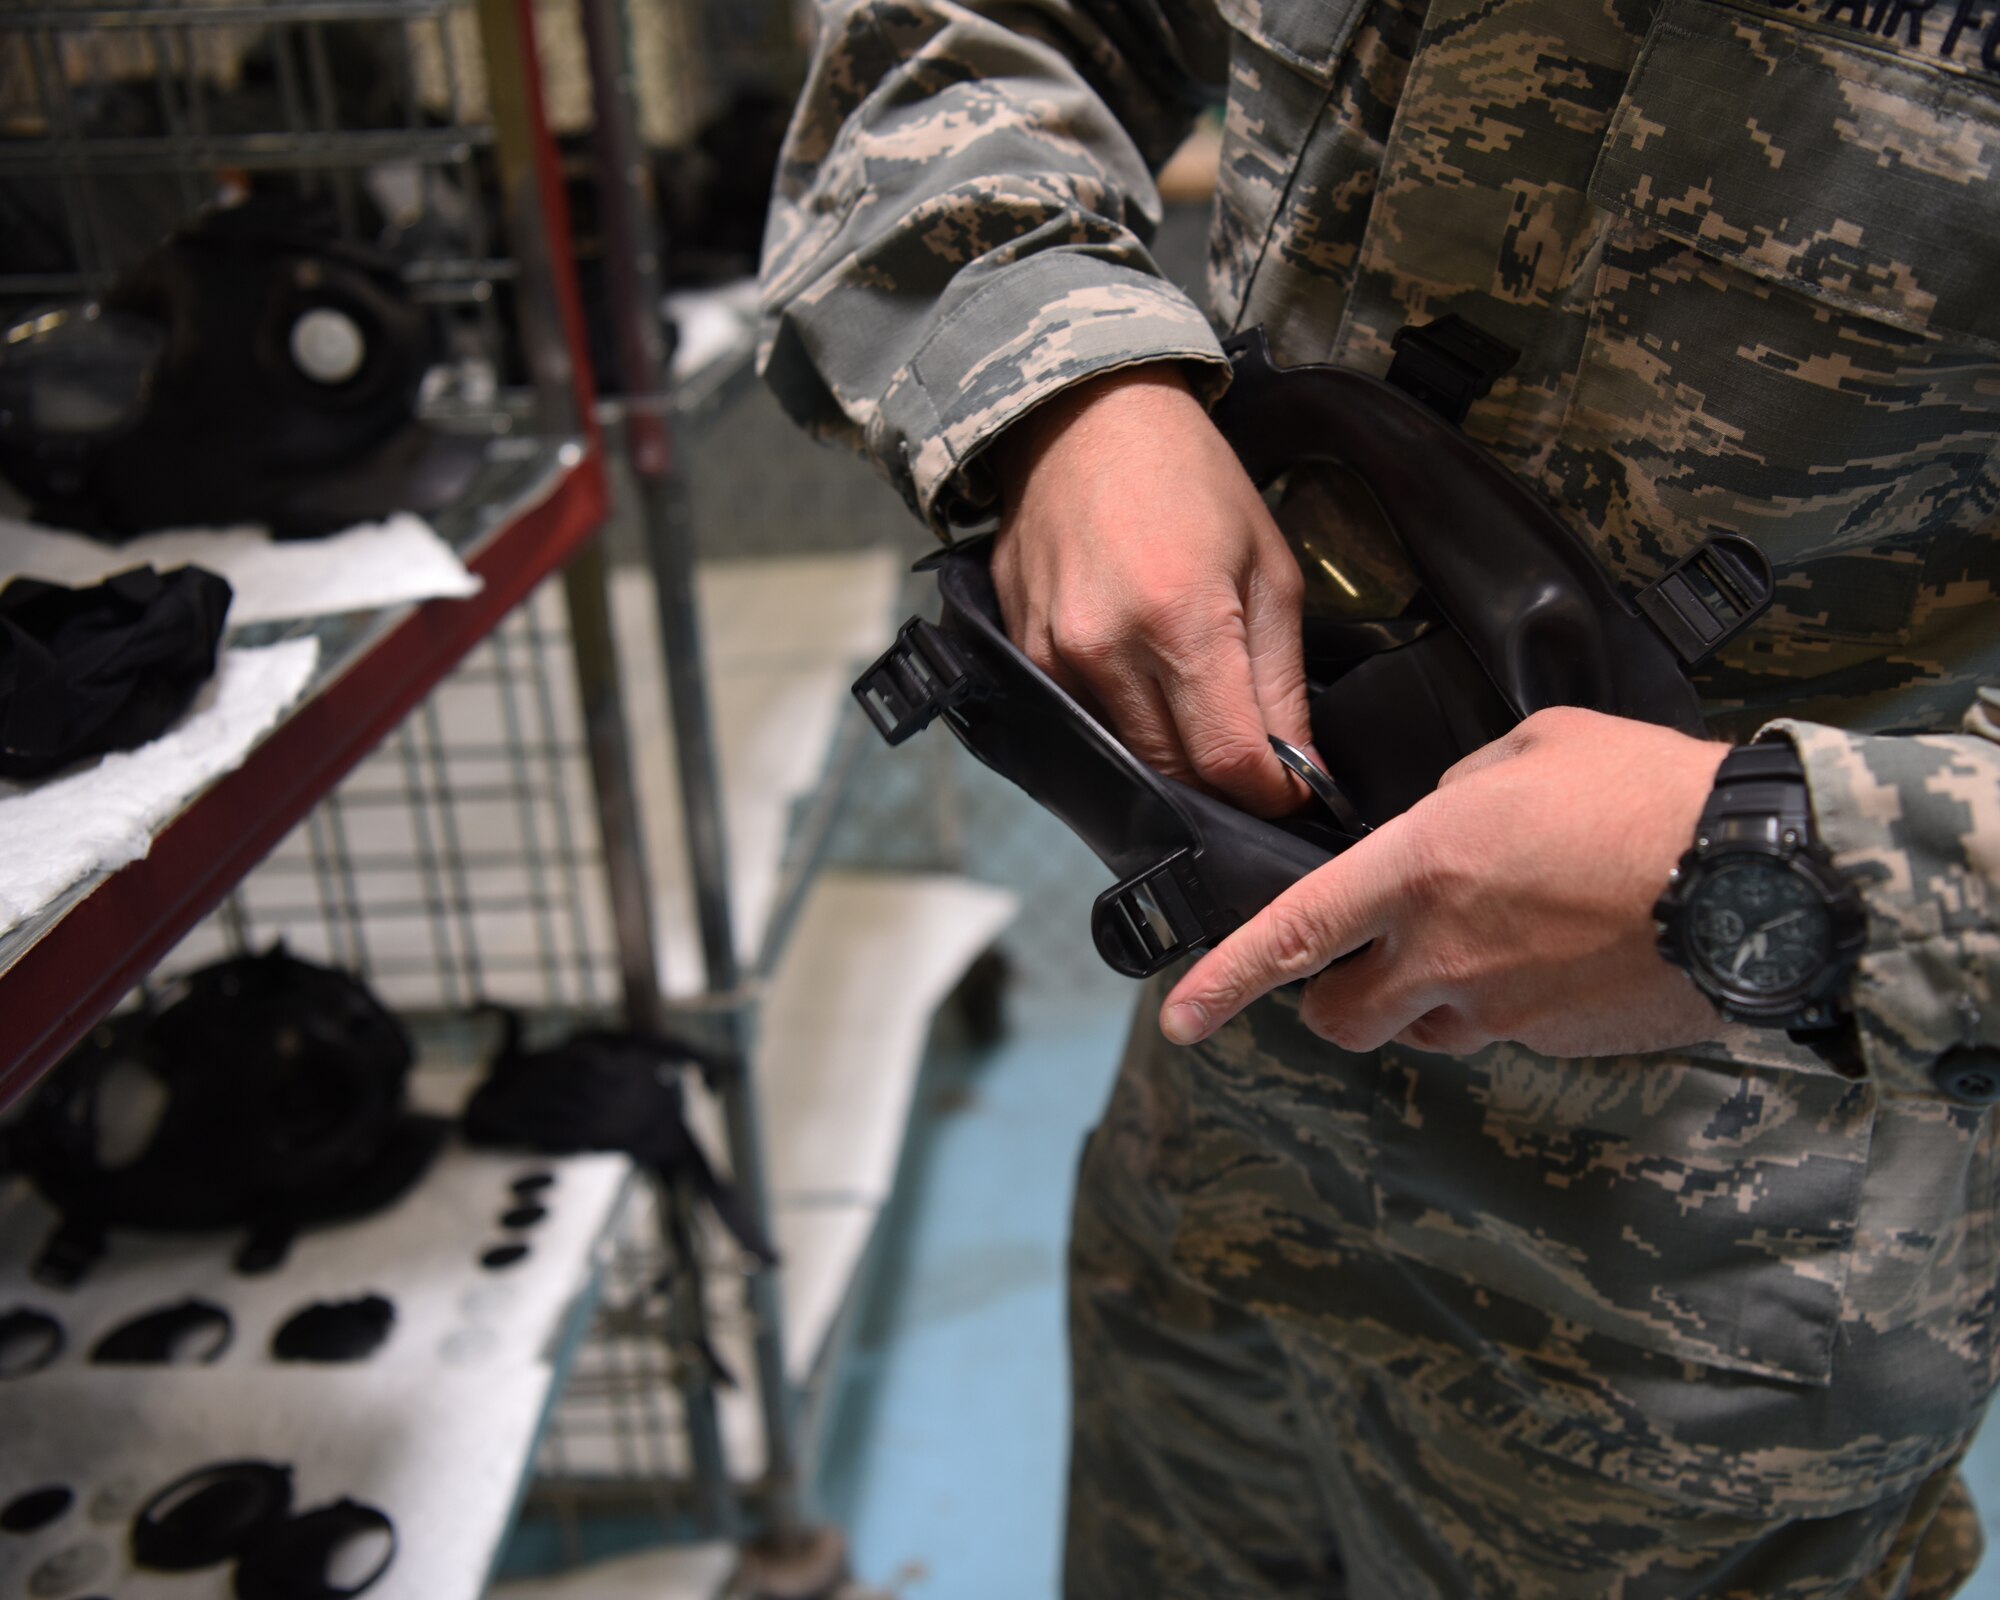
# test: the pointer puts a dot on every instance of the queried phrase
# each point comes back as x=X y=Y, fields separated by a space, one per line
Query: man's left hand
x=1514 y=902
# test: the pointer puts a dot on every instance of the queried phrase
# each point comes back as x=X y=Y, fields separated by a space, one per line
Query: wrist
x=1101 y=412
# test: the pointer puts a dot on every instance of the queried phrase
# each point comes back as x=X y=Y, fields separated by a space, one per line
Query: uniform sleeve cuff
x=1041 y=325
x=1916 y=992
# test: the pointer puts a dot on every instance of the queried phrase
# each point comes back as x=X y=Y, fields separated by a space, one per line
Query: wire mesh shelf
x=461 y=862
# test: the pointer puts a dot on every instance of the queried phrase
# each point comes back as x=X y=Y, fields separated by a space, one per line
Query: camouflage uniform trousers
x=1412 y=1434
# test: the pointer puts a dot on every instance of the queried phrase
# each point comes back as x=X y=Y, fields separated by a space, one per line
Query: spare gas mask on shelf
x=253 y=369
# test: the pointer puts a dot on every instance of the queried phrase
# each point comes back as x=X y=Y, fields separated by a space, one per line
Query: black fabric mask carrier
x=1515 y=615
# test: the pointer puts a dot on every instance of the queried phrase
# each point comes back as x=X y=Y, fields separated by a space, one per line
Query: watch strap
x=1761 y=780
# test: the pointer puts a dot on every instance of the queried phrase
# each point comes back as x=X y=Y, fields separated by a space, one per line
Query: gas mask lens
x=77 y=371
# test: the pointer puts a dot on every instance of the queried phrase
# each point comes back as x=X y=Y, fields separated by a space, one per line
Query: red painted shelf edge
x=72 y=976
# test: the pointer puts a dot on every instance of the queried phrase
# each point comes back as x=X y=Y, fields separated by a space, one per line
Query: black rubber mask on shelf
x=84 y=671
x=602 y=1091
x=210 y=1515
x=194 y=1332
x=335 y=1330
x=1512 y=614
x=269 y=1095
x=254 y=368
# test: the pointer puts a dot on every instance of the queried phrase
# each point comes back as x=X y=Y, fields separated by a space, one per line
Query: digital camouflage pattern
x=1405 y=1316
x=1715 y=1323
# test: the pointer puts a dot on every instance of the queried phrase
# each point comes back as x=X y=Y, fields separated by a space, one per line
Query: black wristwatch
x=1755 y=913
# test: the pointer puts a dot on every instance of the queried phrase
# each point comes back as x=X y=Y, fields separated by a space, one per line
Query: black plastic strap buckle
x=1709 y=597
x=918 y=677
x=1448 y=364
x=1153 y=917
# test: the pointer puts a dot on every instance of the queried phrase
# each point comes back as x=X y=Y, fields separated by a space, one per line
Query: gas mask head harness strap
x=1514 y=615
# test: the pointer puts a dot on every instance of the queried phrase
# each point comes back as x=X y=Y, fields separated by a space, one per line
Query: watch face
x=1760 y=929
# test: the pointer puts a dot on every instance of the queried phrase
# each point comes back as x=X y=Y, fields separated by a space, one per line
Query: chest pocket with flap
x=1795 y=325
x=1850 y=166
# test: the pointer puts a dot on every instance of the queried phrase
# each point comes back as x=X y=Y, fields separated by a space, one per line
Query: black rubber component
x=290 y=1561
x=29 y=1341
x=502 y=1255
x=105 y=667
x=1969 y=1074
x=210 y=1515
x=604 y=1089
x=35 y=1510
x=533 y=1183
x=980 y=1000
x=335 y=1330
x=523 y=1216
x=170 y=1336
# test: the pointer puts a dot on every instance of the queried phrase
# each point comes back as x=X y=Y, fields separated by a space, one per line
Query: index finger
x=1324 y=916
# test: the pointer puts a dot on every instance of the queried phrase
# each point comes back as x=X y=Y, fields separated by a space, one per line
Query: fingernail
x=1183 y=1022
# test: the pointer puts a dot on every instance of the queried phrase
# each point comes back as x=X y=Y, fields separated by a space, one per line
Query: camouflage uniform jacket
x=1750 y=250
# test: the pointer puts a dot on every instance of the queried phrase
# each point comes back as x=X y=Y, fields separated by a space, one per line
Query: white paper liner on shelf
x=422 y=1253
x=437 y=1451
x=783 y=639
x=59 y=831
x=398 y=561
x=436 y=1428
x=837 y=1061
x=844 y=1026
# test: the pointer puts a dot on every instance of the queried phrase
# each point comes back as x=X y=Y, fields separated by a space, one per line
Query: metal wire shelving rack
x=420 y=124
x=121 y=121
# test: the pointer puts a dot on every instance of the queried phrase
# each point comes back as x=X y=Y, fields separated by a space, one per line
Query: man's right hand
x=1137 y=565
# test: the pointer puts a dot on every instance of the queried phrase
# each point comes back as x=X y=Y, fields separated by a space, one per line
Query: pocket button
x=1969 y=1074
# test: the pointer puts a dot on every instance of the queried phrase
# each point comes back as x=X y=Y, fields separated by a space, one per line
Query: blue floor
x=946 y=1465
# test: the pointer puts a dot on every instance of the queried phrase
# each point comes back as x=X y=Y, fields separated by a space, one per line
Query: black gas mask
x=1508 y=613
x=251 y=369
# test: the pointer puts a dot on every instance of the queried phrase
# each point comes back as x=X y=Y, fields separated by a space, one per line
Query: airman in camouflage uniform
x=1718 y=1322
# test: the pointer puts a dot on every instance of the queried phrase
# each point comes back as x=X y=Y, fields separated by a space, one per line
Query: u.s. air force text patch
x=1960 y=36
